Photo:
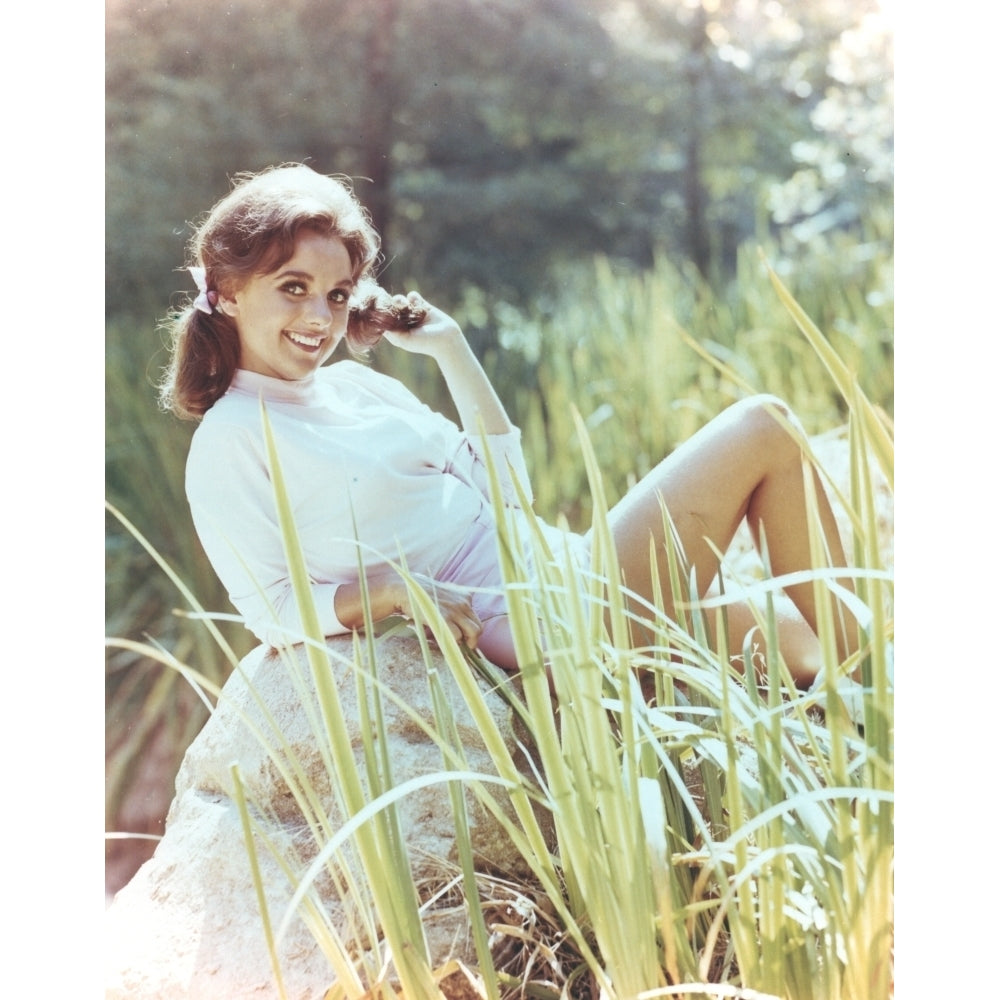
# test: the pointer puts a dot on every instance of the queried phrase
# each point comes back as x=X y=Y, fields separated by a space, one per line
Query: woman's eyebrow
x=306 y=276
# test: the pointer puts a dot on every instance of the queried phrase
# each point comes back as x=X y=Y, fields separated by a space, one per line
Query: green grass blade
x=845 y=381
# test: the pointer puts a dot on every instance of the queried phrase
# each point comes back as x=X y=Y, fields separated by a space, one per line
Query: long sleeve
x=235 y=516
x=470 y=456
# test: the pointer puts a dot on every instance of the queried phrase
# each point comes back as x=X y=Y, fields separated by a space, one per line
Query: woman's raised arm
x=440 y=337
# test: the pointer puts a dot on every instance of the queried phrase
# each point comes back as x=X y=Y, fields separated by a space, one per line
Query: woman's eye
x=293 y=288
x=339 y=296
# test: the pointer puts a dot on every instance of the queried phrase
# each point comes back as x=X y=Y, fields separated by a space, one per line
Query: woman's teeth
x=305 y=341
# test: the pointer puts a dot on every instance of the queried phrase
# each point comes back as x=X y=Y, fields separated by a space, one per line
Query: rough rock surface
x=188 y=924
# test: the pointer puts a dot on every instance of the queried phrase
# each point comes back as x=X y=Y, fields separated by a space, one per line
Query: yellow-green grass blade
x=175 y=580
x=390 y=879
x=875 y=423
x=265 y=916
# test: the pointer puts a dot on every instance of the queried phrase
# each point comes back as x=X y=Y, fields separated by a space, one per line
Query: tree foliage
x=492 y=140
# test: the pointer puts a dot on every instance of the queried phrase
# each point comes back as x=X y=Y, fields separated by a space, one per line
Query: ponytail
x=204 y=356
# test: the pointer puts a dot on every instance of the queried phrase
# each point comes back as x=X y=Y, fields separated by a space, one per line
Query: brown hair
x=252 y=231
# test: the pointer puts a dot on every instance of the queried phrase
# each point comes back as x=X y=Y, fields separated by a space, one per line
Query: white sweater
x=364 y=462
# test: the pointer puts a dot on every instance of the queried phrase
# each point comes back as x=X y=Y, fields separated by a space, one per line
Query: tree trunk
x=377 y=114
x=695 y=196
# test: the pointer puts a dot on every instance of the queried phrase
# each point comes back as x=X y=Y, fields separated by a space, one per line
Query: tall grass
x=776 y=878
x=649 y=357
x=714 y=833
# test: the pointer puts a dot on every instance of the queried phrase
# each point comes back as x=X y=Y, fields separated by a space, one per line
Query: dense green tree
x=493 y=139
x=727 y=92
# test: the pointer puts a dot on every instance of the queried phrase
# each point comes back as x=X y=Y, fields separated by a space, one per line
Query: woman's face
x=290 y=321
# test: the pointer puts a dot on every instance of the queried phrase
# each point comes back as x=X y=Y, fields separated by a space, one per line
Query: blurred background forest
x=583 y=184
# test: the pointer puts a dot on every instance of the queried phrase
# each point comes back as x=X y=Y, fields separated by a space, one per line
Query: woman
x=284 y=266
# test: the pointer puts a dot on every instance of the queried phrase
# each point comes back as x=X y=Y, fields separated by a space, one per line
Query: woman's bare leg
x=745 y=463
x=799 y=645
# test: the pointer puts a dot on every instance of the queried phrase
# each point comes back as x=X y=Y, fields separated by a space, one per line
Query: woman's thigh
x=497 y=644
x=705 y=485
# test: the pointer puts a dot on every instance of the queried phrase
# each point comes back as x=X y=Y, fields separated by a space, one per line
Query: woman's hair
x=250 y=232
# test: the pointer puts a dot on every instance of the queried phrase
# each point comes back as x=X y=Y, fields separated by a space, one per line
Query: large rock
x=188 y=925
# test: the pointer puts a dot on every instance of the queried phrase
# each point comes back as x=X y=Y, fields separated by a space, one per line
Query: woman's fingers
x=465 y=625
x=411 y=309
x=461 y=618
x=456 y=609
x=427 y=329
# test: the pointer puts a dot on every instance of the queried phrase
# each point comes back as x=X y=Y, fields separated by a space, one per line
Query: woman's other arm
x=390 y=596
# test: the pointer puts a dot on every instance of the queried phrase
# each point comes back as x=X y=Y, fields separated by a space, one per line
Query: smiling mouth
x=303 y=341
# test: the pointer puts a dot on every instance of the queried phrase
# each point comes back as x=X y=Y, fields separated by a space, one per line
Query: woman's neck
x=274 y=389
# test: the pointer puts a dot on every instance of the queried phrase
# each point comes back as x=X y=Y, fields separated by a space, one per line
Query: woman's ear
x=228 y=306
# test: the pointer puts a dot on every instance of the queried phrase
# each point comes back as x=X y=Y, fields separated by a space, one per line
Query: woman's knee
x=772 y=424
x=764 y=407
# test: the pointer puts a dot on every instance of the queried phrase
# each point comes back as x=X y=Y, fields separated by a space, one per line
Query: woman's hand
x=455 y=606
x=390 y=597
x=436 y=335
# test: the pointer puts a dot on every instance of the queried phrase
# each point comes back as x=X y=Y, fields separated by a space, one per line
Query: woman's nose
x=318 y=311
